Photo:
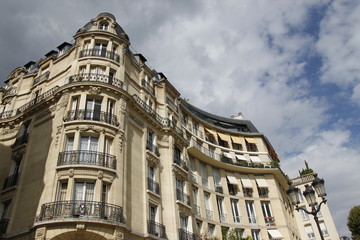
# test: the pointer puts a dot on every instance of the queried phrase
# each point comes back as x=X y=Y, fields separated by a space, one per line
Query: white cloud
x=339 y=45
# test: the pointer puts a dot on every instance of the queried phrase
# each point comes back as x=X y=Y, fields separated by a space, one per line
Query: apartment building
x=96 y=145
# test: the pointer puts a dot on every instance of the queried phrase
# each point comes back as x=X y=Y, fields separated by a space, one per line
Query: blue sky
x=291 y=67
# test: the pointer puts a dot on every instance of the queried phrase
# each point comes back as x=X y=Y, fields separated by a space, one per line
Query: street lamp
x=309 y=194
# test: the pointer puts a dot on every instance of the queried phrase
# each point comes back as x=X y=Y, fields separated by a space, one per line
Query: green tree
x=353 y=222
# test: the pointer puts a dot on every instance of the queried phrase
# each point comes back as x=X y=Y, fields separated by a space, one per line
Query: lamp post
x=309 y=194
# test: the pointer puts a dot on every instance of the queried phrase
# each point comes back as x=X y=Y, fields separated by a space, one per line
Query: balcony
x=20 y=140
x=95 y=77
x=269 y=221
x=237 y=219
x=10 y=181
x=178 y=161
x=83 y=157
x=95 y=52
x=86 y=210
x=182 y=197
x=253 y=220
x=209 y=214
x=40 y=98
x=156 y=229
x=152 y=148
x=153 y=186
x=41 y=78
x=148 y=87
x=6 y=114
x=91 y=115
x=186 y=235
x=147 y=108
x=223 y=217
x=172 y=104
x=3 y=225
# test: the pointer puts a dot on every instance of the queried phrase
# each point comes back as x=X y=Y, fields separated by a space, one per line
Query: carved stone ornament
x=165 y=138
x=121 y=140
x=71 y=173
x=94 y=90
x=80 y=227
x=179 y=173
x=119 y=235
x=152 y=161
x=40 y=233
x=100 y=175
x=89 y=128
x=58 y=134
x=123 y=105
x=64 y=99
x=10 y=130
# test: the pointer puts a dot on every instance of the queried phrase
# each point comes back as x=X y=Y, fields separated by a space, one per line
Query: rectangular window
x=183 y=222
x=309 y=231
x=255 y=234
x=93 y=109
x=5 y=209
x=268 y=216
x=224 y=232
x=152 y=212
x=84 y=191
x=248 y=192
x=235 y=211
x=263 y=192
x=209 y=214
x=304 y=215
x=105 y=189
x=88 y=150
x=100 y=49
x=323 y=229
x=62 y=189
x=220 y=205
x=251 y=212
x=211 y=230
x=204 y=175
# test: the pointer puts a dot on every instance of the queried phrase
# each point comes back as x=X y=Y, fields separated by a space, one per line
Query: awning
x=245 y=181
x=228 y=155
x=240 y=157
x=275 y=234
x=224 y=137
x=236 y=140
x=255 y=159
x=210 y=131
x=231 y=178
x=250 y=140
x=261 y=181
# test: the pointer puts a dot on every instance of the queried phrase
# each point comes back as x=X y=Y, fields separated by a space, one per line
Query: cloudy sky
x=291 y=67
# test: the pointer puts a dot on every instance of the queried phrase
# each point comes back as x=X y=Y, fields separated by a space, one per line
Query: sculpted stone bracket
x=152 y=161
x=62 y=174
x=179 y=172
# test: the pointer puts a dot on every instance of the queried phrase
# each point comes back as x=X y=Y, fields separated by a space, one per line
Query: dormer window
x=103 y=26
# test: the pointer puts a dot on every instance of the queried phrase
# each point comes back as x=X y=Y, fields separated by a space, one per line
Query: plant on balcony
x=306 y=171
x=241 y=163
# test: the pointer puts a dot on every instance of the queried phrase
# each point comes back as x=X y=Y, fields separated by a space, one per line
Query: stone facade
x=96 y=145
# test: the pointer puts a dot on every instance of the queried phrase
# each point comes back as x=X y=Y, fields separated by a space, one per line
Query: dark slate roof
x=118 y=29
x=230 y=124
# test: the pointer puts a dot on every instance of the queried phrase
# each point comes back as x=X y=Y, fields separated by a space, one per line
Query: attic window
x=103 y=25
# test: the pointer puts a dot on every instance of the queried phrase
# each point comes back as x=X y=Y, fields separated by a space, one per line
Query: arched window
x=103 y=25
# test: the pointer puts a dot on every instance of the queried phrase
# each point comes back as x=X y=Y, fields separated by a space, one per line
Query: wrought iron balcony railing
x=223 y=217
x=237 y=219
x=209 y=214
x=82 y=114
x=37 y=100
x=182 y=197
x=41 y=78
x=95 y=52
x=253 y=220
x=147 y=86
x=6 y=114
x=178 y=161
x=3 y=225
x=269 y=221
x=186 y=235
x=152 y=148
x=85 y=157
x=156 y=229
x=147 y=108
x=153 y=186
x=96 y=77
x=20 y=140
x=81 y=209
x=10 y=181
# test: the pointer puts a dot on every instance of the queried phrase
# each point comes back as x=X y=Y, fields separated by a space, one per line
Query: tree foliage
x=353 y=222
